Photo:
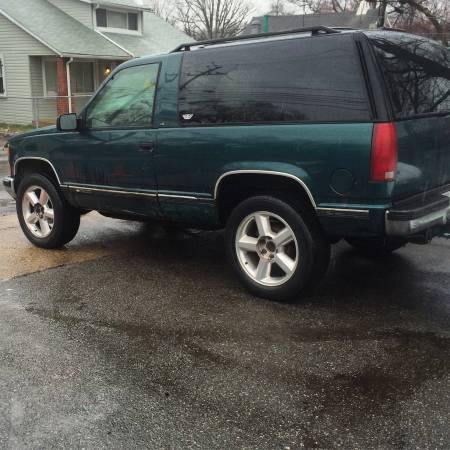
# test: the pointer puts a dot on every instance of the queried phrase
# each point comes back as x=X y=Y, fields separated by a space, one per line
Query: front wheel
x=45 y=217
x=276 y=249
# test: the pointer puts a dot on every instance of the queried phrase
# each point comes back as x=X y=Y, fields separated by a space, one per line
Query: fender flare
x=24 y=158
x=265 y=172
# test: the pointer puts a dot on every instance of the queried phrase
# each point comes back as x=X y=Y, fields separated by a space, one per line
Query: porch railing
x=45 y=108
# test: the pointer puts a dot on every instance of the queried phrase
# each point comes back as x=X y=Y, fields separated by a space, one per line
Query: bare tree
x=431 y=17
x=415 y=14
x=278 y=8
x=210 y=19
x=166 y=9
x=322 y=6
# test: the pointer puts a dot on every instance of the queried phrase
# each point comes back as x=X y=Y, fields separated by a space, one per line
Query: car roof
x=273 y=37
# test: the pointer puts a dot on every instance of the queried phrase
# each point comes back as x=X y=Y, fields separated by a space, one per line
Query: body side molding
x=87 y=189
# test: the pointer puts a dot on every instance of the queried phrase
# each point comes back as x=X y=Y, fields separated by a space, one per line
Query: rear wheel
x=276 y=250
x=378 y=247
x=45 y=217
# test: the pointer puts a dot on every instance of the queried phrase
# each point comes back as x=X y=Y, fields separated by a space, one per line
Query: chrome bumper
x=8 y=185
x=416 y=225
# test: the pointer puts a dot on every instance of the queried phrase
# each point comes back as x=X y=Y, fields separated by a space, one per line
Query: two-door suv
x=290 y=141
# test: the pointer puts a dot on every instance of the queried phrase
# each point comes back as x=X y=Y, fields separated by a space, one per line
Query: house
x=364 y=19
x=66 y=48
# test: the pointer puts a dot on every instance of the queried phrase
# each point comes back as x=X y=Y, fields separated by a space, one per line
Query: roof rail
x=313 y=30
x=400 y=30
x=345 y=28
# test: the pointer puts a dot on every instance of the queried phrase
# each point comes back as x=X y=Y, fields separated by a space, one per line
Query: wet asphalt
x=156 y=345
x=7 y=205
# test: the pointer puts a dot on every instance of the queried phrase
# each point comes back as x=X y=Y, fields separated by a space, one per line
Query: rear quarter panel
x=192 y=159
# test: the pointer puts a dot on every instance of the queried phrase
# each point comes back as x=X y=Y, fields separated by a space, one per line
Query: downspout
x=69 y=86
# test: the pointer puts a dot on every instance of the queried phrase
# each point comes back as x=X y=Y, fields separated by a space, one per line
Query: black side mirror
x=67 y=122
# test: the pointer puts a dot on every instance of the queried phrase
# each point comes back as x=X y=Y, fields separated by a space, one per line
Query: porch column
x=62 y=104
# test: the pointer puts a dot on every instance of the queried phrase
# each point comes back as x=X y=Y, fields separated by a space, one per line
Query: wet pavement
x=132 y=337
x=7 y=205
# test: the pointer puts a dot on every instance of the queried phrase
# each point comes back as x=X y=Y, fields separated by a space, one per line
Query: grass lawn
x=11 y=128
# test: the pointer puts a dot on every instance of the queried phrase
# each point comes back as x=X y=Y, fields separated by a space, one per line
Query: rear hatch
x=416 y=74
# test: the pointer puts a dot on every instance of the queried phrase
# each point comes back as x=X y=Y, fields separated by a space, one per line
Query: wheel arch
x=42 y=165
x=250 y=182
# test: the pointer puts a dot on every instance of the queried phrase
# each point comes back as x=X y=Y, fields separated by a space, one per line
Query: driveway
x=134 y=338
x=7 y=205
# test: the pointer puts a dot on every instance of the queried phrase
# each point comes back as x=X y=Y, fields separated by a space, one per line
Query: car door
x=110 y=167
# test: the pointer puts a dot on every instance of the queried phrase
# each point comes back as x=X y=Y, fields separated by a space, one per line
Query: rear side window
x=295 y=80
x=417 y=74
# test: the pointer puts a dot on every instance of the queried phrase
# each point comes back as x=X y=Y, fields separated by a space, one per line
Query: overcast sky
x=261 y=6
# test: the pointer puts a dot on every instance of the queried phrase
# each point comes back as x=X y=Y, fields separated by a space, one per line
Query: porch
x=63 y=85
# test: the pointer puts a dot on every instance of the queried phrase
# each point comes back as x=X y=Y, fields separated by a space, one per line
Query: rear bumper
x=418 y=215
x=8 y=185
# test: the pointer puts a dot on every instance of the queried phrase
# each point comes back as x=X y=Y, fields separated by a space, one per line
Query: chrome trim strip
x=40 y=159
x=87 y=187
x=81 y=189
x=185 y=197
x=350 y=210
x=266 y=172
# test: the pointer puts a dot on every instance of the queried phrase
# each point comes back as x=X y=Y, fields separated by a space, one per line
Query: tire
x=276 y=248
x=376 y=248
x=60 y=229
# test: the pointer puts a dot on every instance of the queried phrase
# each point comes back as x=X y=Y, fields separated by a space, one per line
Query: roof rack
x=345 y=28
x=400 y=30
x=313 y=30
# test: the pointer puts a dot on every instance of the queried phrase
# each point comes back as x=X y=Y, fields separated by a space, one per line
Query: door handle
x=146 y=147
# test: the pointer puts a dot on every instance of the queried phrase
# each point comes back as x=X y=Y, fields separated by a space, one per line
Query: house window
x=118 y=20
x=51 y=84
x=133 y=22
x=82 y=77
x=2 y=78
x=102 y=20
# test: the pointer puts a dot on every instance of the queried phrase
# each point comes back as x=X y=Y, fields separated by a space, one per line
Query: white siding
x=16 y=47
x=78 y=10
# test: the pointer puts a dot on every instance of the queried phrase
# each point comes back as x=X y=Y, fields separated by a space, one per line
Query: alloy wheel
x=267 y=248
x=38 y=212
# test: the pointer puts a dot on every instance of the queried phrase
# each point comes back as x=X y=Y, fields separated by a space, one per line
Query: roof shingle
x=159 y=37
x=67 y=37
x=59 y=31
x=139 y=4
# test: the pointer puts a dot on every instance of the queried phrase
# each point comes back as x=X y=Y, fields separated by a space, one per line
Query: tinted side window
x=294 y=80
x=417 y=74
x=127 y=100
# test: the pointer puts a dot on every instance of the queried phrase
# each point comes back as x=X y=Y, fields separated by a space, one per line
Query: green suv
x=290 y=141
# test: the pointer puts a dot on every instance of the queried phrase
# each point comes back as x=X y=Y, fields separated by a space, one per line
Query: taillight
x=384 y=152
